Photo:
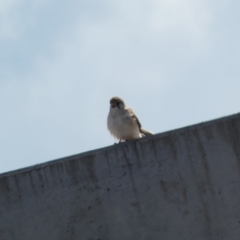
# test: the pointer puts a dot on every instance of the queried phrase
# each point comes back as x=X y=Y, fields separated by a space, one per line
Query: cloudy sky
x=176 y=63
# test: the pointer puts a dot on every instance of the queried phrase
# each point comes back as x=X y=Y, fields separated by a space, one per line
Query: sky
x=176 y=63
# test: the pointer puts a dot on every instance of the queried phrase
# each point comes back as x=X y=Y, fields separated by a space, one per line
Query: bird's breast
x=122 y=126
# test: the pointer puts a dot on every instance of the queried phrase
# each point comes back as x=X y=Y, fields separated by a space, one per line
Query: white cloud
x=6 y=5
x=165 y=20
x=9 y=20
x=11 y=25
x=190 y=20
x=102 y=56
x=17 y=16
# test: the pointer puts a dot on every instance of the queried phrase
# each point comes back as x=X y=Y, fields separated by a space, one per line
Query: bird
x=123 y=123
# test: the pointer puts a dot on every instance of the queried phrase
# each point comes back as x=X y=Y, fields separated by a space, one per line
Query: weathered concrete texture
x=183 y=184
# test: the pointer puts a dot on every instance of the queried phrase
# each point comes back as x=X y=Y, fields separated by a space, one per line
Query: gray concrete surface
x=179 y=185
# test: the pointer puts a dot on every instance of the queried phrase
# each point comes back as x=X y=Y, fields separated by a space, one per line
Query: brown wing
x=133 y=115
x=142 y=131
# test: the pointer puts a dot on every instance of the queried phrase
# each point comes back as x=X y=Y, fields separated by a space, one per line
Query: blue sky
x=176 y=63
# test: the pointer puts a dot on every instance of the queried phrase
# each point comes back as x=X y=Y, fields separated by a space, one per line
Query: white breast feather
x=122 y=125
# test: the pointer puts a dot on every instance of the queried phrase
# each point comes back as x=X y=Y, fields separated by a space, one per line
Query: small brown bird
x=123 y=123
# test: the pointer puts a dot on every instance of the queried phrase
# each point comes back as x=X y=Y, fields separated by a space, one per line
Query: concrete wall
x=179 y=185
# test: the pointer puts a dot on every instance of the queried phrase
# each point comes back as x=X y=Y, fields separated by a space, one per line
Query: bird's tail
x=145 y=132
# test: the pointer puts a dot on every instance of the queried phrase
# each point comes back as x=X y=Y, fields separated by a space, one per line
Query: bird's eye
x=118 y=104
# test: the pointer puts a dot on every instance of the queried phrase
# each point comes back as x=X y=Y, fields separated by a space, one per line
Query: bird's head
x=117 y=102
